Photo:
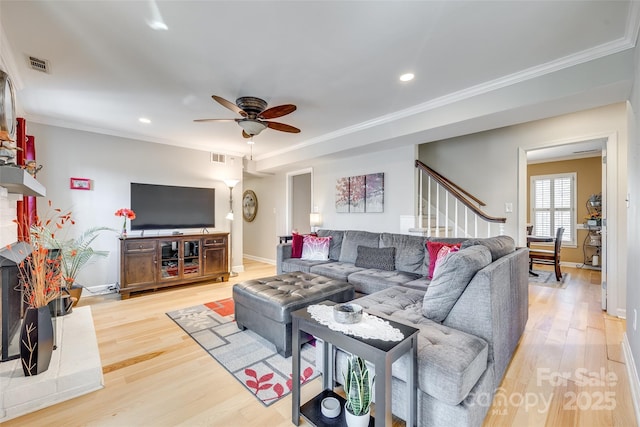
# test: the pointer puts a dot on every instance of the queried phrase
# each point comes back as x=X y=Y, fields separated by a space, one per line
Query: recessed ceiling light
x=406 y=77
x=144 y=120
x=158 y=25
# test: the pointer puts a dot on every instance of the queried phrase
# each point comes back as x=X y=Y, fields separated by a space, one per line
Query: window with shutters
x=553 y=205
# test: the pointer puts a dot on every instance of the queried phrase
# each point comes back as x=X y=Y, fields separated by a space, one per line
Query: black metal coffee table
x=381 y=353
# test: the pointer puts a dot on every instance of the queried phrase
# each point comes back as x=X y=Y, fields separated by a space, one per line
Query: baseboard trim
x=632 y=373
x=259 y=259
x=579 y=265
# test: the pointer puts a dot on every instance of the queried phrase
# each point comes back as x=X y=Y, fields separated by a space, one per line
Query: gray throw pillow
x=499 y=245
x=336 y=242
x=451 y=279
x=354 y=238
x=380 y=258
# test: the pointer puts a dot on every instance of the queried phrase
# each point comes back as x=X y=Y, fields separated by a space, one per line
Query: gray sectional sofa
x=471 y=315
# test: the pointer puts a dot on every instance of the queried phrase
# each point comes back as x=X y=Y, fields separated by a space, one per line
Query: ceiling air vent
x=218 y=158
x=39 y=64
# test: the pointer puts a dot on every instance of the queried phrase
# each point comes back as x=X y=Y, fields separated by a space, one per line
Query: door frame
x=289 y=195
x=610 y=276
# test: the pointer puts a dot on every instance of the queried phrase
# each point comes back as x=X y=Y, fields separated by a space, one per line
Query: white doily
x=370 y=327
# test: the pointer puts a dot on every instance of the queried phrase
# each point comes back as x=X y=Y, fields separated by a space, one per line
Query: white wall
x=260 y=237
x=301 y=202
x=112 y=163
x=399 y=189
x=487 y=165
x=633 y=231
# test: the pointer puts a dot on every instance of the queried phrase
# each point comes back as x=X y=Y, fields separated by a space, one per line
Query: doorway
x=599 y=150
x=299 y=200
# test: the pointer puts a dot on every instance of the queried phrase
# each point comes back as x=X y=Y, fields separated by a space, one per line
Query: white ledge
x=17 y=180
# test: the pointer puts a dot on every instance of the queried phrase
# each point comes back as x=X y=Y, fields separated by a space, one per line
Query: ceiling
x=338 y=61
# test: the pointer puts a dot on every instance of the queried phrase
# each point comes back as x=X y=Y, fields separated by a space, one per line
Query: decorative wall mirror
x=249 y=205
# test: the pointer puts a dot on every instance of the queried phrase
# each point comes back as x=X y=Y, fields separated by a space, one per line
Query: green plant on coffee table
x=357 y=386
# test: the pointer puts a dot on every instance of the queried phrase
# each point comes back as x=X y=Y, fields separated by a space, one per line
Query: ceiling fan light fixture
x=252 y=127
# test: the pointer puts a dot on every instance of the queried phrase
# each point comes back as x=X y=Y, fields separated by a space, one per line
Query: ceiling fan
x=254 y=114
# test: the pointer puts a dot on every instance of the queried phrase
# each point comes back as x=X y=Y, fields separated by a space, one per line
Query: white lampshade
x=314 y=219
x=231 y=182
x=229 y=216
x=252 y=127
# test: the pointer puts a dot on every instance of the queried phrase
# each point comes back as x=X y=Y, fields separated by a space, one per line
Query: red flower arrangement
x=40 y=271
x=126 y=214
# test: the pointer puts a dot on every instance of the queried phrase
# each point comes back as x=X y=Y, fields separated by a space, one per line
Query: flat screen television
x=160 y=207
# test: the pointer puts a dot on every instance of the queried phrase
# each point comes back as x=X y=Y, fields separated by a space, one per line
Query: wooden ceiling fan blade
x=282 y=127
x=279 y=111
x=230 y=105
x=214 y=120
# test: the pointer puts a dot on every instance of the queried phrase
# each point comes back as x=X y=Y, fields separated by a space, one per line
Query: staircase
x=446 y=210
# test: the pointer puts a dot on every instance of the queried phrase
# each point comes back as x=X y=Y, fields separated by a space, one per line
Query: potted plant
x=75 y=254
x=358 y=384
x=41 y=281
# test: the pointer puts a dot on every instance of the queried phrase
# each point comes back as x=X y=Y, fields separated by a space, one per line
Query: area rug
x=251 y=359
x=548 y=278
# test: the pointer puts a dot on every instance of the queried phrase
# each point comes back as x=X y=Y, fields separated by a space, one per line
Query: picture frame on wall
x=80 y=183
x=374 y=192
x=360 y=194
x=356 y=193
x=342 y=195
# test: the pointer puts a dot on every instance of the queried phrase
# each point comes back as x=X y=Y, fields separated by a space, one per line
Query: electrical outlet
x=508 y=207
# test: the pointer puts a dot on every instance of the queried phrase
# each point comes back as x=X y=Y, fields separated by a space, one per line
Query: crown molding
x=9 y=61
x=628 y=41
x=128 y=135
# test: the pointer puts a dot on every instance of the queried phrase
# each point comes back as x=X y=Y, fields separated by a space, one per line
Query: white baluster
x=475 y=225
x=455 y=222
x=446 y=213
x=437 y=210
x=429 y=210
x=420 y=198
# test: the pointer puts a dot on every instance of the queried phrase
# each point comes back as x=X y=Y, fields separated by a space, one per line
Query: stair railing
x=450 y=210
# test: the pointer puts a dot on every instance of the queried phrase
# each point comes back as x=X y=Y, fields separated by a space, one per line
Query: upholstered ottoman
x=265 y=305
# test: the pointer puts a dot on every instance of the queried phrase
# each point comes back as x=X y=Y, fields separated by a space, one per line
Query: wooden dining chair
x=548 y=257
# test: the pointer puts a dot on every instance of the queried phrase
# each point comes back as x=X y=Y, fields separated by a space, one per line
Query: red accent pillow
x=296 y=245
x=434 y=248
x=442 y=254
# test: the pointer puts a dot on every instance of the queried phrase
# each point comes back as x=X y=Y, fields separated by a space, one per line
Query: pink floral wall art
x=361 y=193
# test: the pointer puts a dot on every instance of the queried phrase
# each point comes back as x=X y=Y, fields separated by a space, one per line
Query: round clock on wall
x=249 y=205
x=7 y=105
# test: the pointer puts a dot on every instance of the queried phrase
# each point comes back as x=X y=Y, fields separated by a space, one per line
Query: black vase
x=36 y=341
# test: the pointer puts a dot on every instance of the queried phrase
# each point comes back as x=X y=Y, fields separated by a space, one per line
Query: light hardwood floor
x=155 y=375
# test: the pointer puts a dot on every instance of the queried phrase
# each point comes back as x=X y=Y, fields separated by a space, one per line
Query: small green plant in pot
x=358 y=385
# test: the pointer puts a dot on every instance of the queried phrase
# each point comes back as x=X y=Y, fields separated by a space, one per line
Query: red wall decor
x=26 y=209
x=80 y=183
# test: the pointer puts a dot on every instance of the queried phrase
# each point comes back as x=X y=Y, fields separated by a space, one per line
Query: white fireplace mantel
x=17 y=180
